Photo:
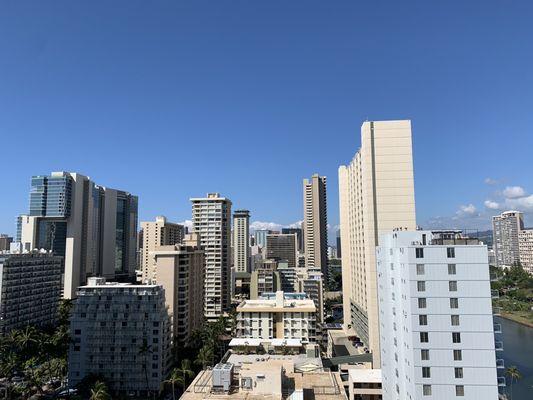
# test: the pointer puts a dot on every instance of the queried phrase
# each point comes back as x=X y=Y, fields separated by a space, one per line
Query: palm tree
x=144 y=350
x=99 y=392
x=205 y=356
x=180 y=376
x=515 y=375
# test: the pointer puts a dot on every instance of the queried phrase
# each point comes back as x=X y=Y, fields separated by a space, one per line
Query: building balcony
x=498 y=346
x=495 y=294
x=496 y=311
x=497 y=328
x=500 y=363
x=501 y=381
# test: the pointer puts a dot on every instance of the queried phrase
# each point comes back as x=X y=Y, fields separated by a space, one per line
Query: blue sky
x=174 y=99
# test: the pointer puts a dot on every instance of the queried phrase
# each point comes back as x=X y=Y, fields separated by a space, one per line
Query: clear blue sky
x=173 y=99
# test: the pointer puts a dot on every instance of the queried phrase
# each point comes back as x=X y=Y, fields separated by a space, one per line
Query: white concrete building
x=505 y=230
x=315 y=223
x=376 y=195
x=211 y=219
x=121 y=332
x=154 y=234
x=241 y=241
x=436 y=320
x=277 y=316
x=311 y=282
x=525 y=249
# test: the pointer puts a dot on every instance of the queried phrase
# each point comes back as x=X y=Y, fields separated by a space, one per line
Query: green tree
x=144 y=351
x=205 y=357
x=181 y=376
x=515 y=375
x=99 y=391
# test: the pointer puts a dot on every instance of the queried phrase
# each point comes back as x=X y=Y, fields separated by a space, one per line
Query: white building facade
x=436 y=321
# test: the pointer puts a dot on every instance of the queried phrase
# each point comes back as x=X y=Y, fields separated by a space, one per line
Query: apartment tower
x=505 y=230
x=241 y=240
x=154 y=234
x=211 y=220
x=315 y=224
x=376 y=195
x=282 y=247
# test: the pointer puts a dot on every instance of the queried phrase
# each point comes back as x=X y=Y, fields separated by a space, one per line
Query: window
x=424 y=337
x=419 y=251
x=426 y=390
x=459 y=390
x=424 y=354
x=457 y=355
x=451 y=269
x=420 y=270
x=456 y=337
x=422 y=302
x=452 y=285
x=422 y=319
x=454 y=302
x=426 y=372
x=450 y=252
x=421 y=286
x=455 y=320
x=458 y=373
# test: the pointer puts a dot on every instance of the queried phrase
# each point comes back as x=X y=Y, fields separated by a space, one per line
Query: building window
x=420 y=270
x=454 y=302
x=419 y=251
x=459 y=373
x=424 y=337
x=424 y=354
x=422 y=302
x=426 y=372
x=457 y=355
x=450 y=252
x=421 y=286
x=452 y=285
x=456 y=337
x=459 y=390
x=451 y=269
x=426 y=390
x=455 y=320
x=422 y=319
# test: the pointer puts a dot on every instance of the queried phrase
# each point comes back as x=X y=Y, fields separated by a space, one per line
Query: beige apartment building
x=154 y=234
x=376 y=195
x=241 y=241
x=505 y=230
x=525 y=246
x=180 y=270
x=315 y=224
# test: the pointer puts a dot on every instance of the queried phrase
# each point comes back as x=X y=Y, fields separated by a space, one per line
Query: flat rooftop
x=365 y=375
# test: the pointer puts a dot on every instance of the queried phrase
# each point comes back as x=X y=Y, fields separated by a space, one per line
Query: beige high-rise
x=180 y=270
x=241 y=240
x=376 y=195
x=154 y=234
x=315 y=223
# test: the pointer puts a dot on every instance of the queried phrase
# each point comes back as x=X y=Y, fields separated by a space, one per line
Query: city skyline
x=64 y=85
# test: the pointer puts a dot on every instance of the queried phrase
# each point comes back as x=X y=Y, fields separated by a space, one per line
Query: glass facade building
x=50 y=196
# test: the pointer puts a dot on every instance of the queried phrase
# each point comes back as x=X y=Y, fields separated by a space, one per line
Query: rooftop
x=365 y=375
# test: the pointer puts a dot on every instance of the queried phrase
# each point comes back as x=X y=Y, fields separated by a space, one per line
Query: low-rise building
x=121 y=332
x=264 y=279
x=30 y=289
x=277 y=315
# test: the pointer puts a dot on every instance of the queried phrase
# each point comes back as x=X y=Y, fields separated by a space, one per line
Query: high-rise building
x=505 y=229
x=376 y=195
x=179 y=268
x=30 y=290
x=241 y=240
x=154 y=234
x=277 y=316
x=260 y=237
x=435 y=306
x=315 y=225
x=264 y=279
x=5 y=242
x=525 y=247
x=339 y=249
x=281 y=247
x=211 y=219
x=299 y=237
x=310 y=281
x=93 y=227
x=122 y=333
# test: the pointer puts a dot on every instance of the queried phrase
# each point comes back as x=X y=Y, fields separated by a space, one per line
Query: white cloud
x=521 y=204
x=469 y=209
x=187 y=223
x=490 y=181
x=297 y=224
x=492 y=205
x=260 y=225
x=513 y=192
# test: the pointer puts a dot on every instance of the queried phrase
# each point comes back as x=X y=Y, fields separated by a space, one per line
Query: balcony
x=496 y=311
x=500 y=364
x=497 y=328
x=498 y=346
x=501 y=381
x=495 y=294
